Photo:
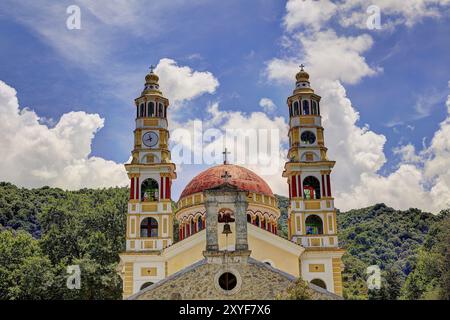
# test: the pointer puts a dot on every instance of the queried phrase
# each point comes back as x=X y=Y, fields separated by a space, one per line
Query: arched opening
x=142 y=107
x=319 y=283
x=256 y=221
x=305 y=107
x=200 y=223
x=308 y=137
x=145 y=285
x=311 y=188
x=296 y=108
x=290 y=111
x=149 y=190
x=225 y=216
x=227 y=281
x=149 y=228
x=193 y=226
x=161 y=110
x=249 y=218
x=165 y=111
x=314 y=107
x=314 y=225
x=151 y=108
x=263 y=223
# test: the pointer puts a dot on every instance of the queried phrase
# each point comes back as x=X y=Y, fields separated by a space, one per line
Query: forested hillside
x=44 y=230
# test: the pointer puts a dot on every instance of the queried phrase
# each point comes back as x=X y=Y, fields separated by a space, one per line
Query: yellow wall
x=261 y=250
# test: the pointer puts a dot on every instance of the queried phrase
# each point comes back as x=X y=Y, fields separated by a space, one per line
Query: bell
x=226 y=229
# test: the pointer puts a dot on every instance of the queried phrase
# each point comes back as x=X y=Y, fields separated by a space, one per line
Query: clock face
x=150 y=139
x=308 y=137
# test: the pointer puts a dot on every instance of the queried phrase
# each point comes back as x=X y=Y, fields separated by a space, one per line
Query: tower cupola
x=302 y=84
x=151 y=83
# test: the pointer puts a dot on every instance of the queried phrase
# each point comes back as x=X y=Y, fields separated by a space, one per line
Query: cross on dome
x=225 y=153
x=225 y=176
x=152 y=67
x=302 y=66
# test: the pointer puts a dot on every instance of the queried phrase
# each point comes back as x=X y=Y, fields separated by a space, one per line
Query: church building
x=229 y=247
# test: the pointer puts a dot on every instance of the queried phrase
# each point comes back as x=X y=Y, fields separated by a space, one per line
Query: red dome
x=241 y=177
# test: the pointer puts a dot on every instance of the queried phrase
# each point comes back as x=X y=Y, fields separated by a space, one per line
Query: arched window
x=256 y=221
x=319 y=283
x=305 y=107
x=290 y=110
x=311 y=188
x=296 y=109
x=165 y=111
x=142 y=110
x=151 y=109
x=314 y=107
x=161 y=110
x=314 y=225
x=249 y=218
x=149 y=228
x=263 y=223
x=145 y=285
x=149 y=190
x=200 y=223
x=192 y=226
x=318 y=108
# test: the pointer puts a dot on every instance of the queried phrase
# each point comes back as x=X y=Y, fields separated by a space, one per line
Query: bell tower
x=150 y=216
x=311 y=213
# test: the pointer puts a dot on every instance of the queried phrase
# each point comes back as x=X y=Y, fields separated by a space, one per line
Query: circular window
x=227 y=281
x=308 y=137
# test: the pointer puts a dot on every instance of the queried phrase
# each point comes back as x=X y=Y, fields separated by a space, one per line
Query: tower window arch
x=249 y=218
x=314 y=107
x=306 y=107
x=151 y=109
x=149 y=228
x=161 y=110
x=142 y=107
x=149 y=190
x=192 y=225
x=314 y=224
x=319 y=283
x=311 y=188
x=296 y=108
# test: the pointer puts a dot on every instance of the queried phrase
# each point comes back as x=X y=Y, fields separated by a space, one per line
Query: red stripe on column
x=294 y=187
x=328 y=185
x=167 y=188
x=138 y=196
x=323 y=186
x=161 y=188
x=132 y=188
x=300 y=190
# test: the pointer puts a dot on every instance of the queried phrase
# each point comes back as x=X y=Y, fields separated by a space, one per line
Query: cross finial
x=225 y=176
x=152 y=67
x=225 y=152
x=302 y=66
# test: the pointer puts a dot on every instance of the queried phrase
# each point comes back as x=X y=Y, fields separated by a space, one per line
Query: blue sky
x=100 y=68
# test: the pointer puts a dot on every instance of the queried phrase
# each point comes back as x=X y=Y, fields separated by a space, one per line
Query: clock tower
x=150 y=216
x=311 y=213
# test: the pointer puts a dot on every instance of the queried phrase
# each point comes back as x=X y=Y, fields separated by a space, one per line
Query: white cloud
x=267 y=105
x=315 y=15
x=266 y=161
x=34 y=155
x=310 y=14
x=181 y=83
x=327 y=56
x=421 y=179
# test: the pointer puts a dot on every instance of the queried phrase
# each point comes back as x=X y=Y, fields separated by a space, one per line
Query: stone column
x=241 y=221
x=212 y=242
